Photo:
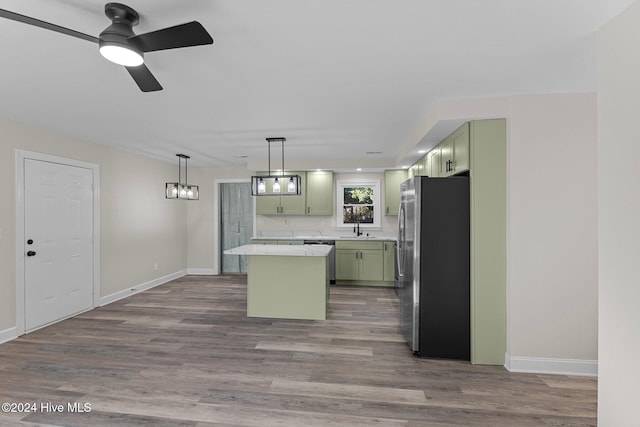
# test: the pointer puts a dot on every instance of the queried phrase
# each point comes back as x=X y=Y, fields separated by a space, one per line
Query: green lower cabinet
x=264 y=242
x=370 y=265
x=362 y=263
x=290 y=242
x=347 y=266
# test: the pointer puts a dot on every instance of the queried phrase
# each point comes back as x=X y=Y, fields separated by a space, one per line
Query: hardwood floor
x=185 y=354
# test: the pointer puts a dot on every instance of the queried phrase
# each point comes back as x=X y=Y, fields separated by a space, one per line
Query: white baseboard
x=8 y=334
x=139 y=288
x=203 y=271
x=542 y=365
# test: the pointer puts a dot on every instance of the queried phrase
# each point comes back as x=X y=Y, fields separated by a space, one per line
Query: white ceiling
x=337 y=78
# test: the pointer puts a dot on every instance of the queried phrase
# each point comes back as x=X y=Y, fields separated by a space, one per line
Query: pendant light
x=291 y=183
x=179 y=190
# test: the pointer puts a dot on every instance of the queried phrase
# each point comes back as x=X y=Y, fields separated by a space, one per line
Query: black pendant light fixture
x=276 y=185
x=180 y=190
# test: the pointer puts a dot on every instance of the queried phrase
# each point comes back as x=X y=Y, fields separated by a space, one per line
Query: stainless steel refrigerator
x=432 y=279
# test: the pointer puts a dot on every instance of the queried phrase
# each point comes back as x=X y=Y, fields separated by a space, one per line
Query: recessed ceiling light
x=422 y=151
x=358 y=169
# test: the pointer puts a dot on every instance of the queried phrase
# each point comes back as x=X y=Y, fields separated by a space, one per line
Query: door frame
x=216 y=217
x=21 y=156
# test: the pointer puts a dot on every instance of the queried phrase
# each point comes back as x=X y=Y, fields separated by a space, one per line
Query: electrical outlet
x=155 y=266
x=286 y=222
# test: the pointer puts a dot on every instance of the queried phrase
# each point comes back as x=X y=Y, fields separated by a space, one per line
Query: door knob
x=31 y=253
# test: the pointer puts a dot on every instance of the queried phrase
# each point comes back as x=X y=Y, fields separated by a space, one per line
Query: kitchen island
x=287 y=282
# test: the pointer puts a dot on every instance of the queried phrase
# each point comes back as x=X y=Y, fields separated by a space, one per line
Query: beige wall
x=619 y=219
x=552 y=238
x=139 y=227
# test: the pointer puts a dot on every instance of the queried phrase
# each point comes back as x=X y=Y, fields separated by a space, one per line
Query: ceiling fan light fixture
x=121 y=55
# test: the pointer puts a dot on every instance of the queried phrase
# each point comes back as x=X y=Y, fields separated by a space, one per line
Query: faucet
x=356 y=229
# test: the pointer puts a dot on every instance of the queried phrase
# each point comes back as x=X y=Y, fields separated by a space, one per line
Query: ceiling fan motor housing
x=123 y=19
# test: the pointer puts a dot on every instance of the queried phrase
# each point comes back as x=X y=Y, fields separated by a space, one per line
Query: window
x=358 y=202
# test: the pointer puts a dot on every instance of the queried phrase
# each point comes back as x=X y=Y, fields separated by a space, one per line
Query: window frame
x=341 y=184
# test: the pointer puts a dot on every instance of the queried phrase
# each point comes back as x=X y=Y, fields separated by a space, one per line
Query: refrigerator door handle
x=401 y=240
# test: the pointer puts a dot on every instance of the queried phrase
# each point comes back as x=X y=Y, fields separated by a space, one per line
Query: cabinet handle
x=308 y=209
x=387 y=210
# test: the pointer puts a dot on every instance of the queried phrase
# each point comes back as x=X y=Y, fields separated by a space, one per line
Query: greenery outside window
x=358 y=202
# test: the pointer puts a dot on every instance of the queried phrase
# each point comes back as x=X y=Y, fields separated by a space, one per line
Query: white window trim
x=342 y=183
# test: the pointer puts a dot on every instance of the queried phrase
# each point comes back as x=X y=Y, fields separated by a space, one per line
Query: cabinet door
x=371 y=265
x=267 y=205
x=392 y=181
x=389 y=262
x=434 y=159
x=294 y=205
x=320 y=199
x=460 y=142
x=446 y=156
x=347 y=264
x=426 y=170
x=412 y=171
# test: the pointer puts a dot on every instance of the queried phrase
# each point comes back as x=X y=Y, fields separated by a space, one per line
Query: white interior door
x=58 y=232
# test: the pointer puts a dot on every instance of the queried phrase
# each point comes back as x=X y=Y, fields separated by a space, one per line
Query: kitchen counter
x=281 y=250
x=287 y=282
x=293 y=236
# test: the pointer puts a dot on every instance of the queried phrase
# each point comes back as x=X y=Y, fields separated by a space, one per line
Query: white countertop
x=281 y=250
x=319 y=236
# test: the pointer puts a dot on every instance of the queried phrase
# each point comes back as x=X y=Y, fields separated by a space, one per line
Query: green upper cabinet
x=412 y=171
x=282 y=205
x=433 y=157
x=446 y=156
x=454 y=151
x=392 y=181
x=319 y=197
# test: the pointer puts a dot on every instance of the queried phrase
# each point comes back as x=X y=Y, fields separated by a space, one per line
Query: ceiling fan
x=118 y=43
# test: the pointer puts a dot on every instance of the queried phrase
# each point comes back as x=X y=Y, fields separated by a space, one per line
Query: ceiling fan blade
x=183 y=35
x=144 y=79
x=46 y=25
